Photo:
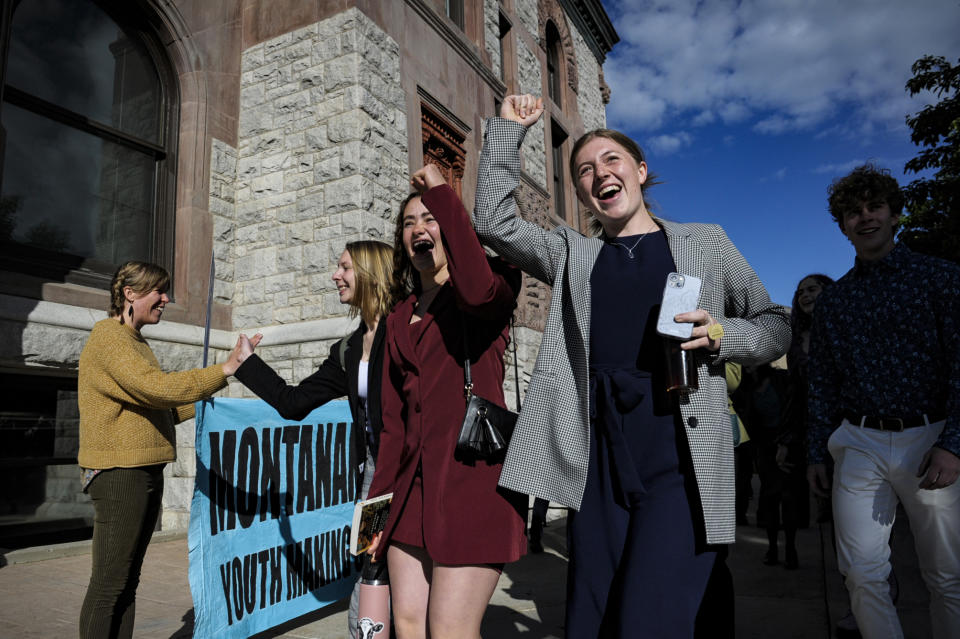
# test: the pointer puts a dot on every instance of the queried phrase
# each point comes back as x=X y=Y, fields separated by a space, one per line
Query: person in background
x=794 y=433
x=884 y=401
x=450 y=528
x=354 y=367
x=742 y=444
x=651 y=475
x=780 y=504
x=128 y=410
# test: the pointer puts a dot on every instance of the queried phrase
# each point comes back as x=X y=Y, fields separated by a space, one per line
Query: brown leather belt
x=890 y=423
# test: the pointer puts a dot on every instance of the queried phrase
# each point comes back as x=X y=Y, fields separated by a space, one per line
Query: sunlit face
x=609 y=181
x=345 y=278
x=147 y=307
x=807 y=292
x=421 y=238
x=871 y=229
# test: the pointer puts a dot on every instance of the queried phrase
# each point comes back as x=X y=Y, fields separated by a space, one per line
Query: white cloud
x=777 y=66
x=666 y=144
x=841 y=168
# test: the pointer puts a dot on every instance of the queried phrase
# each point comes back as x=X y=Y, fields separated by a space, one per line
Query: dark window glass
x=40 y=496
x=454 y=11
x=85 y=182
x=558 y=137
x=504 y=33
x=75 y=193
x=70 y=53
x=554 y=88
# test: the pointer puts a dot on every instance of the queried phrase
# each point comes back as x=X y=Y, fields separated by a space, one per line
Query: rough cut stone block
x=348 y=193
x=286 y=315
x=342 y=72
x=252 y=58
x=316 y=139
x=290 y=259
x=295 y=180
x=252 y=315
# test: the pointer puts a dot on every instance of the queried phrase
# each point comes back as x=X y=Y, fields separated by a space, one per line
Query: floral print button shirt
x=886 y=342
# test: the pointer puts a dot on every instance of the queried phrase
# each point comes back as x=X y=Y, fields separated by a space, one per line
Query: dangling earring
x=130 y=313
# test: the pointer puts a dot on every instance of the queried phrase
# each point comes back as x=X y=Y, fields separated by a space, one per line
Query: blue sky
x=748 y=110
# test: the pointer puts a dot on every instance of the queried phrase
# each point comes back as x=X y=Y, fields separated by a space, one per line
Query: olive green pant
x=126 y=504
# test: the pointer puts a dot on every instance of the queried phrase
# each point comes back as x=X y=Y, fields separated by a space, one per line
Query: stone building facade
x=258 y=136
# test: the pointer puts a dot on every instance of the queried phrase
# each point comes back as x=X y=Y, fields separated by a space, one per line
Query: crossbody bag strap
x=467 y=379
x=516 y=369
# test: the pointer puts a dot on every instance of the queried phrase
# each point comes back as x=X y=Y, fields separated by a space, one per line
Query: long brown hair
x=142 y=277
x=405 y=278
x=373 y=266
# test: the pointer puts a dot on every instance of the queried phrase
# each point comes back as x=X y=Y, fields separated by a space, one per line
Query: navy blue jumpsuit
x=637 y=567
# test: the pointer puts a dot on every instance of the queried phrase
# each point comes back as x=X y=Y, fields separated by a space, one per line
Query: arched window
x=88 y=161
x=554 y=82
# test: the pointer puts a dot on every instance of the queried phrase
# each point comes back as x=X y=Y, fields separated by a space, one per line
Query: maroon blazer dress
x=453 y=509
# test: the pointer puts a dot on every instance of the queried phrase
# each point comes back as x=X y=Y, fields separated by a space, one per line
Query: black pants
x=126 y=504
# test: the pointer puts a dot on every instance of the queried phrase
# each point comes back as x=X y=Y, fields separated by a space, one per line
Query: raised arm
x=480 y=290
x=522 y=243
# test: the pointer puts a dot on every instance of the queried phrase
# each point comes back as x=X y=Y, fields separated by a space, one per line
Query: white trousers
x=874 y=471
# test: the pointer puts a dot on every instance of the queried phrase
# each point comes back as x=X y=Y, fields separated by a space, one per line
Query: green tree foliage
x=932 y=223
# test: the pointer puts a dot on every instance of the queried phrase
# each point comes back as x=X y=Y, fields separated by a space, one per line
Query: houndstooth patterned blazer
x=549 y=451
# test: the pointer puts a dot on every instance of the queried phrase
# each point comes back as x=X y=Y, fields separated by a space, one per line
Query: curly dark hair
x=406 y=280
x=866 y=183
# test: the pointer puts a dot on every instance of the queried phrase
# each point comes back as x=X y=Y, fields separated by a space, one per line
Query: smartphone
x=680 y=295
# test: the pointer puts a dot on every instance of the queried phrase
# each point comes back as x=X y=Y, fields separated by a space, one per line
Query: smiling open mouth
x=422 y=246
x=608 y=192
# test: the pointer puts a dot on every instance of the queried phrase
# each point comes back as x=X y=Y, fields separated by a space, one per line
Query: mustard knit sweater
x=128 y=406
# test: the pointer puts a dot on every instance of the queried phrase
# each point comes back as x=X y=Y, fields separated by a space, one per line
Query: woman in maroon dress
x=450 y=528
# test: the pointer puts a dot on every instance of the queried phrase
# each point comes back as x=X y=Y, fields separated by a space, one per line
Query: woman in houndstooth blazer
x=651 y=475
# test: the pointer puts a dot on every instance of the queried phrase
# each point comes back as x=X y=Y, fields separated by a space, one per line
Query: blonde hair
x=373 y=265
x=142 y=277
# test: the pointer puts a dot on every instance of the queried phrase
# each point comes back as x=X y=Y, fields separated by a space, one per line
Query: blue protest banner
x=271 y=513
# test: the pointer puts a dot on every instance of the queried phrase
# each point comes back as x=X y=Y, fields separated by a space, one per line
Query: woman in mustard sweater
x=128 y=408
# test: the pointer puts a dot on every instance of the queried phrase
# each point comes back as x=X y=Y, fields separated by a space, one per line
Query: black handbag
x=487 y=427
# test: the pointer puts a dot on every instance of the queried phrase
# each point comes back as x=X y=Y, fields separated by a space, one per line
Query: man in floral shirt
x=885 y=391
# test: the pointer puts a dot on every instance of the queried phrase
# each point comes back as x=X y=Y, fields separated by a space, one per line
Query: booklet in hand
x=369 y=518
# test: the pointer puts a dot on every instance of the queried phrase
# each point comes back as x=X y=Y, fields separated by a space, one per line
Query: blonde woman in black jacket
x=354 y=367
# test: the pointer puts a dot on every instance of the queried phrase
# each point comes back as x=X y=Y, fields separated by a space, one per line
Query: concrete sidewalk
x=42 y=590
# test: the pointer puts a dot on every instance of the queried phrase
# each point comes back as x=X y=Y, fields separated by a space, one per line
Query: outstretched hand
x=241 y=351
x=427 y=178
x=523 y=109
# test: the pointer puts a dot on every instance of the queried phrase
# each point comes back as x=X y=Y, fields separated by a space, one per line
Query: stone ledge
x=21 y=309
x=73 y=548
